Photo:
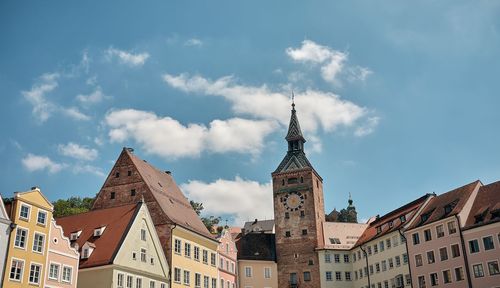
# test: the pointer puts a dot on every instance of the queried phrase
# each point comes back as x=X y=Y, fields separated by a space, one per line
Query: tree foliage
x=72 y=206
x=198 y=207
x=209 y=221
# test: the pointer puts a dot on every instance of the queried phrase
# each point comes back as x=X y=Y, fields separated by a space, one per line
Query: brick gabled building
x=298 y=213
x=184 y=238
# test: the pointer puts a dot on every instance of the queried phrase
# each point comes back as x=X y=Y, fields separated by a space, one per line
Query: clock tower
x=298 y=213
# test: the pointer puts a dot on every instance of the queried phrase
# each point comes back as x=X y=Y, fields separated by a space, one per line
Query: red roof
x=446 y=205
x=486 y=206
x=393 y=217
x=168 y=195
x=117 y=221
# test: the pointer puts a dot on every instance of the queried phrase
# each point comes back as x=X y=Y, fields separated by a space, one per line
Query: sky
x=395 y=99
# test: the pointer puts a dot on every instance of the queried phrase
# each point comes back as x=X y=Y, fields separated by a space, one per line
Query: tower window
x=317 y=183
x=287 y=234
x=304 y=231
x=129 y=173
x=302 y=213
x=117 y=174
x=307 y=276
x=311 y=262
x=292 y=180
x=282 y=182
x=301 y=179
x=287 y=215
x=112 y=195
x=132 y=192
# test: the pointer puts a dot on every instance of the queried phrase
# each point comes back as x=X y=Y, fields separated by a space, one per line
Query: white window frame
x=70 y=274
x=143 y=234
x=21 y=275
x=266 y=276
x=474 y=272
x=43 y=243
x=29 y=211
x=58 y=271
x=180 y=275
x=26 y=240
x=40 y=273
x=176 y=240
x=145 y=254
x=248 y=275
x=118 y=280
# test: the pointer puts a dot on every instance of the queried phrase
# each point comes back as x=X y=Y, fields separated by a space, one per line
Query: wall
x=257 y=280
x=333 y=267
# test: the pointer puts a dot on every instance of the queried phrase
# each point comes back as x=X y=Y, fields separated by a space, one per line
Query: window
x=143 y=234
x=328 y=275
x=24 y=213
x=328 y=258
x=41 y=218
x=304 y=231
x=205 y=256
x=35 y=270
x=391 y=224
x=143 y=255
x=416 y=239
x=421 y=281
x=302 y=213
x=187 y=249
x=138 y=281
x=177 y=275
x=427 y=235
x=402 y=218
x=54 y=271
x=152 y=261
x=307 y=276
x=196 y=253
x=186 y=277
x=395 y=241
x=16 y=270
x=197 y=280
x=162 y=285
x=206 y=281
x=384 y=265
x=119 y=282
x=134 y=256
x=386 y=284
x=443 y=254
x=68 y=273
x=377 y=267
x=248 y=272
x=473 y=246
x=336 y=257
x=375 y=249
x=398 y=261
x=153 y=283
x=117 y=174
x=399 y=280
x=430 y=257
x=455 y=250
x=212 y=258
x=347 y=276
x=354 y=257
x=451 y=228
x=287 y=215
x=459 y=274
x=338 y=276
x=447 y=276
x=391 y=264
x=287 y=234
x=346 y=258
x=267 y=272
x=478 y=270
x=418 y=260
x=408 y=279
x=439 y=231
x=381 y=246
x=388 y=243
x=20 y=241
x=405 y=258
x=130 y=281
x=132 y=192
x=434 y=279
x=371 y=269
x=112 y=195
x=493 y=268
x=129 y=173
x=488 y=243
x=379 y=229
x=38 y=242
x=369 y=249
x=214 y=281
x=293 y=278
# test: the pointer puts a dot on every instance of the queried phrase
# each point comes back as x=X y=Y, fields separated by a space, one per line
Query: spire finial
x=293 y=101
x=350 y=199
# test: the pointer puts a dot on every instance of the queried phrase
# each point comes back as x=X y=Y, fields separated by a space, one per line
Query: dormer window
x=85 y=253
x=379 y=229
x=391 y=224
x=449 y=207
x=424 y=217
x=402 y=218
x=98 y=231
x=74 y=236
x=335 y=241
x=87 y=250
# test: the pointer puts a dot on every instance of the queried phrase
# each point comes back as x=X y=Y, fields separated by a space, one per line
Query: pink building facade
x=62 y=260
x=227 y=260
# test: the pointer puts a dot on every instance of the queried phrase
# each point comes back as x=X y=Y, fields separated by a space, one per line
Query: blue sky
x=395 y=100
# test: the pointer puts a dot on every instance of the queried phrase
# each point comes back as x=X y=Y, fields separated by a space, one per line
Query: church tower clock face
x=294 y=201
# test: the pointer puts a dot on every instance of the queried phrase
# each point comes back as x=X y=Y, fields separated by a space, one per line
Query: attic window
x=132 y=192
x=117 y=174
x=391 y=224
x=98 y=231
x=129 y=173
x=335 y=241
x=74 y=236
x=495 y=214
x=85 y=253
x=379 y=229
x=402 y=218
x=112 y=195
x=449 y=207
x=424 y=217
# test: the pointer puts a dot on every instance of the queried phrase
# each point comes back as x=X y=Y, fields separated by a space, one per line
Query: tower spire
x=294 y=131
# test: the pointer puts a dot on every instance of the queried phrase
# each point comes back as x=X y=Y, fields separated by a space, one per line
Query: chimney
x=168 y=172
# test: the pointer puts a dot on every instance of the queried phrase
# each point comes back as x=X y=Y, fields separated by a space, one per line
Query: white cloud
x=92 y=98
x=127 y=57
x=358 y=73
x=74 y=112
x=368 y=127
x=76 y=151
x=254 y=199
x=35 y=163
x=42 y=108
x=89 y=169
x=170 y=139
x=331 y=61
x=315 y=108
x=193 y=42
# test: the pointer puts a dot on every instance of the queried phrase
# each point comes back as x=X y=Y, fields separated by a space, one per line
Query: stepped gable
x=257 y=246
x=168 y=195
x=408 y=210
x=117 y=221
x=446 y=205
x=486 y=207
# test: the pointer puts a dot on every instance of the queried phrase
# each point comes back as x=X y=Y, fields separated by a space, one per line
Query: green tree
x=210 y=221
x=198 y=207
x=72 y=206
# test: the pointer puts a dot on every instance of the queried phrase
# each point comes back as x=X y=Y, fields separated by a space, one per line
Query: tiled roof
x=254 y=246
x=117 y=221
x=446 y=205
x=391 y=221
x=486 y=207
x=259 y=226
x=168 y=195
x=341 y=235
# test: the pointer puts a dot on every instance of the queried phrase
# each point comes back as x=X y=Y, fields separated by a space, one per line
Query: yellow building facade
x=31 y=214
x=194 y=260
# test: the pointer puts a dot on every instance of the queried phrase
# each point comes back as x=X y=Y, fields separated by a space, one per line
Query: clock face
x=294 y=201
